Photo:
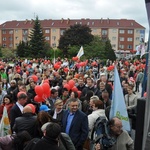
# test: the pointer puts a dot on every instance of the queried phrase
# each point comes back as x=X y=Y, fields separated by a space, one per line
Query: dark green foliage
x=76 y=35
x=0 y=52
x=55 y=52
x=23 y=49
x=95 y=49
x=37 y=43
x=109 y=52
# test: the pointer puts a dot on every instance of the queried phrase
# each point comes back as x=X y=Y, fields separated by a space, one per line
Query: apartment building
x=124 y=34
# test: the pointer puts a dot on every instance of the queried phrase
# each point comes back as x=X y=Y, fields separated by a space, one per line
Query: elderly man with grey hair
x=98 y=111
x=64 y=140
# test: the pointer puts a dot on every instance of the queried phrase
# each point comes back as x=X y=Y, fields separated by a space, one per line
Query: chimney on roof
x=31 y=21
x=108 y=21
x=68 y=21
x=101 y=20
x=26 y=21
x=62 y=20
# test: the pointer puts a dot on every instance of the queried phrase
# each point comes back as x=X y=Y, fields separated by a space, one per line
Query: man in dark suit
x=75 y=124
x=26 y=122
x=17 y=109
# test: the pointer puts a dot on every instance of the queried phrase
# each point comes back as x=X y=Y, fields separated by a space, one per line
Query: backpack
x=100 y=133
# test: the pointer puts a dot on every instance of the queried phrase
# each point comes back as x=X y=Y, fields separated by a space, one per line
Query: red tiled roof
x=65 y=23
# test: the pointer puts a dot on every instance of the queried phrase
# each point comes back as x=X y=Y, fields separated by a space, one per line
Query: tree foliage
x=97 y=48
x=7 y=53
x=23 y=49
x=109 y=52
x=1 y=52
x=37 y=42
x=76 y=35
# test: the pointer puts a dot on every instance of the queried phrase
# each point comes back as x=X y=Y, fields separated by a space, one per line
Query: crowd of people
x=79 y=93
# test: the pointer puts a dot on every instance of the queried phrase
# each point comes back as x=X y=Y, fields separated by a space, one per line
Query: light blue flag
x=118 y=107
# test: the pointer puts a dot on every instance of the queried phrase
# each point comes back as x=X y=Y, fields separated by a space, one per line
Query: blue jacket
x=79 y=128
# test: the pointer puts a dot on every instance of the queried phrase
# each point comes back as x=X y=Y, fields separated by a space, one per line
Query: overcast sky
x=74 y=9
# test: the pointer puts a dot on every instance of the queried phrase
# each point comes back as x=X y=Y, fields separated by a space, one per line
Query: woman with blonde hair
x=57 y=112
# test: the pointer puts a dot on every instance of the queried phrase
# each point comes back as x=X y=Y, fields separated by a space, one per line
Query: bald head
x=27 y=109
x=116 y=126
x=117 y=121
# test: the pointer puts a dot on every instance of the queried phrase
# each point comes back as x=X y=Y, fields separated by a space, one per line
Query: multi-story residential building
x=124 y=34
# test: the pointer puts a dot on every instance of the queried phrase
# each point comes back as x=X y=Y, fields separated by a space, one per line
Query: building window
x=121 y=46
x=92 y=23
x=130 y=31
x=16 y=38
x=47 y=31
x=129 y=39
x=121 y=38
x=16 y=44
x=142 y=31
x=94 y=30
x=4 y=38
x=62 y=32
x=11 y=32
x=118 y=23
x=4 y=45
x=114 y=38
x=137 y=38
x=113 y=45
x=121 y=31
x=132 y=24
x=129 y=47
x=114 y=30
x=47 y=38
x=52 y=23
x=104 y=32
x=88 y=23
x=53 y=30
x=16 y=31
x=25 y=32
x=10 y=38
x=53 y=38
x=54 y=45
x=4 y=31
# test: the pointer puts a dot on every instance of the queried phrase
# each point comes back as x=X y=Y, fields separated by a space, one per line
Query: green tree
x=1 y=52
x=95 y=48
x=76 y=35
x=54 y=52
x=38 y=47
x=23 y=49
x=109 y=52
x=7 y=53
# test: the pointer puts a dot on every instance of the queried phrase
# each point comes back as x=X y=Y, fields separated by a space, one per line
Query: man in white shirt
x=17 y=109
